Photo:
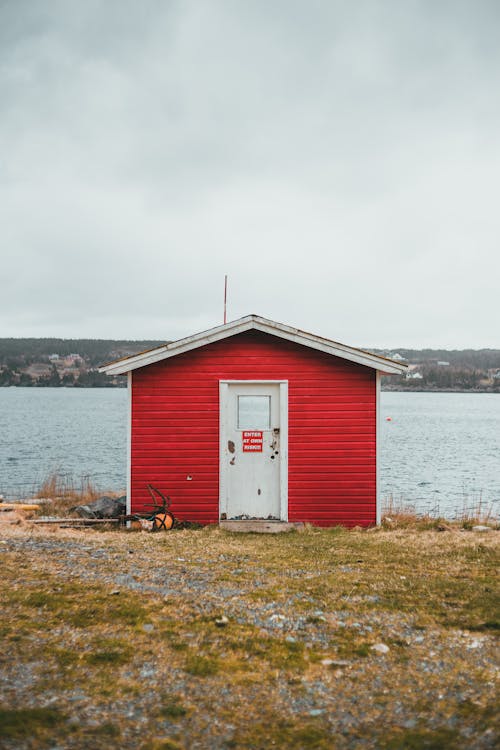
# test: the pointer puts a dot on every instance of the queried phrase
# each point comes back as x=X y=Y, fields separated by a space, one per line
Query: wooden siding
x=332 y=429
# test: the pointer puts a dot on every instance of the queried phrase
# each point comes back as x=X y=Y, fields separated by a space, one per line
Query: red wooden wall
x=332 y=428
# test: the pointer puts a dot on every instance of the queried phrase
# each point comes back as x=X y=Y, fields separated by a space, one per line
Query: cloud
x=338 y=161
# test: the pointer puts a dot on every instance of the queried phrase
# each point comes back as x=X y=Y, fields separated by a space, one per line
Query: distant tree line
x=479 y=359
x=446 y=378
x=19 y=356
x=445 y=370
x=94 y=352
x=48 y=363
x=84 y=379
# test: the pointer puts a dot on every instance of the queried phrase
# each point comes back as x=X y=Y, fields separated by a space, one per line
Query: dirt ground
x=206 y=639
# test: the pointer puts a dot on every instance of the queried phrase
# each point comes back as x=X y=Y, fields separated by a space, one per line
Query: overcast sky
x=340 y=161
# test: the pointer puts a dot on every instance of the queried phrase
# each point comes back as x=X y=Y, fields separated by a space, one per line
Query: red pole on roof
x=225 y=298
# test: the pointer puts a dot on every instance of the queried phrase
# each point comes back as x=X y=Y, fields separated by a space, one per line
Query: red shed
x=255 y=419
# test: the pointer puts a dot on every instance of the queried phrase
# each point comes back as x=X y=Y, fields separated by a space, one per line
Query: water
x=78 y=432
x=440 y=451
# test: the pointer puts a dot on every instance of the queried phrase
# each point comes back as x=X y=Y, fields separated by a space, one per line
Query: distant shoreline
x=384 y=388
x=45 y=363
x=440 y=390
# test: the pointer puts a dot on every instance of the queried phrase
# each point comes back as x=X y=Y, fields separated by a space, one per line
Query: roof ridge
x=243 y=324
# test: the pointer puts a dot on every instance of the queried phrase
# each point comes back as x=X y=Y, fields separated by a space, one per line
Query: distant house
x=443 y=364
x=255 y=419
x=38 y=370
x=72 y=359
x=53 y=357
x=397 y=357
x=414 y=376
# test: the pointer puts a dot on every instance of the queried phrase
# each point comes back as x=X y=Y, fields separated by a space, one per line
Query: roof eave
x=254 y=322
x=122 y=366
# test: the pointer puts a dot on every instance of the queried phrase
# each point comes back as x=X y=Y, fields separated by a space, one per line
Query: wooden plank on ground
x=19 y=506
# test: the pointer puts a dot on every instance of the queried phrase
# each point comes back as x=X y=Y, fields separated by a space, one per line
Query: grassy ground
x=115 y=639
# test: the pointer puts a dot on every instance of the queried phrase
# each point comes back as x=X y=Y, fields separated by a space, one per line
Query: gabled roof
x=253 y=323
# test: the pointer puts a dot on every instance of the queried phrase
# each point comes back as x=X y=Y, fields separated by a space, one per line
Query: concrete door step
x=260 y=527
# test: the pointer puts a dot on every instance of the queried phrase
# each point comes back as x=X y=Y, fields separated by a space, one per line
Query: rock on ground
x=103 y=507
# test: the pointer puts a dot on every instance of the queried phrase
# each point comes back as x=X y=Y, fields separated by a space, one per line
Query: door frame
x=283 y=463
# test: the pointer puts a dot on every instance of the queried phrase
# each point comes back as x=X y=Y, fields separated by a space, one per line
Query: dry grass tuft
x=398 y=514
x=63 y=493
x=477 y=514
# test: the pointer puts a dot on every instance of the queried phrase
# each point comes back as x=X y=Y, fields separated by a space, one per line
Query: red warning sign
x=253 y=441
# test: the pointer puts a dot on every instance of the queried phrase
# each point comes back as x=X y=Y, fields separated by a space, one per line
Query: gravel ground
x=293 y=665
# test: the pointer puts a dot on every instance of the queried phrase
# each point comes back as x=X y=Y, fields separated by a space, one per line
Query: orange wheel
x=163 y=521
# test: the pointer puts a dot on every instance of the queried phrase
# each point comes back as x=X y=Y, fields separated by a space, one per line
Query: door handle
x=275 y=443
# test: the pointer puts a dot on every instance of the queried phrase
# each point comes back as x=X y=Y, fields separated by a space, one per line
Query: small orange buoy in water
x=388 y=419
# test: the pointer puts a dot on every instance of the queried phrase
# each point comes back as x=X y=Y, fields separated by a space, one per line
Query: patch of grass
x=315 y=619
x=489 y=625
x=422 y=739
x=112 y=652
x=361 y=649
x=483 y=716
x=28 y=722
x=172 y=708
x=65 y=657
x=348 y=643
x=201 y=666
x=66 y=603
x=178 y=645
x=44 y=599
x=286 y=655
x=348 y=649
x=275 y=652
x=127 y=611
x=282 y=735
x=337 y=530
x=106 y=730
x=264 y=594
x=161 y=743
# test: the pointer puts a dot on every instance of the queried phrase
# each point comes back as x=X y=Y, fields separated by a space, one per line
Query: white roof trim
x=256 y=323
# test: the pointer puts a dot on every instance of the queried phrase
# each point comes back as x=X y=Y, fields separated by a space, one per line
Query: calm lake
x=440 y=451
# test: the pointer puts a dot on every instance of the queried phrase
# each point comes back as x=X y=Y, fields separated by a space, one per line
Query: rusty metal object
x=160 y=517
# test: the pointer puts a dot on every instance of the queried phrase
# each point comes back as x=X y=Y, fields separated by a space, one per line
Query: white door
x=253 y=450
